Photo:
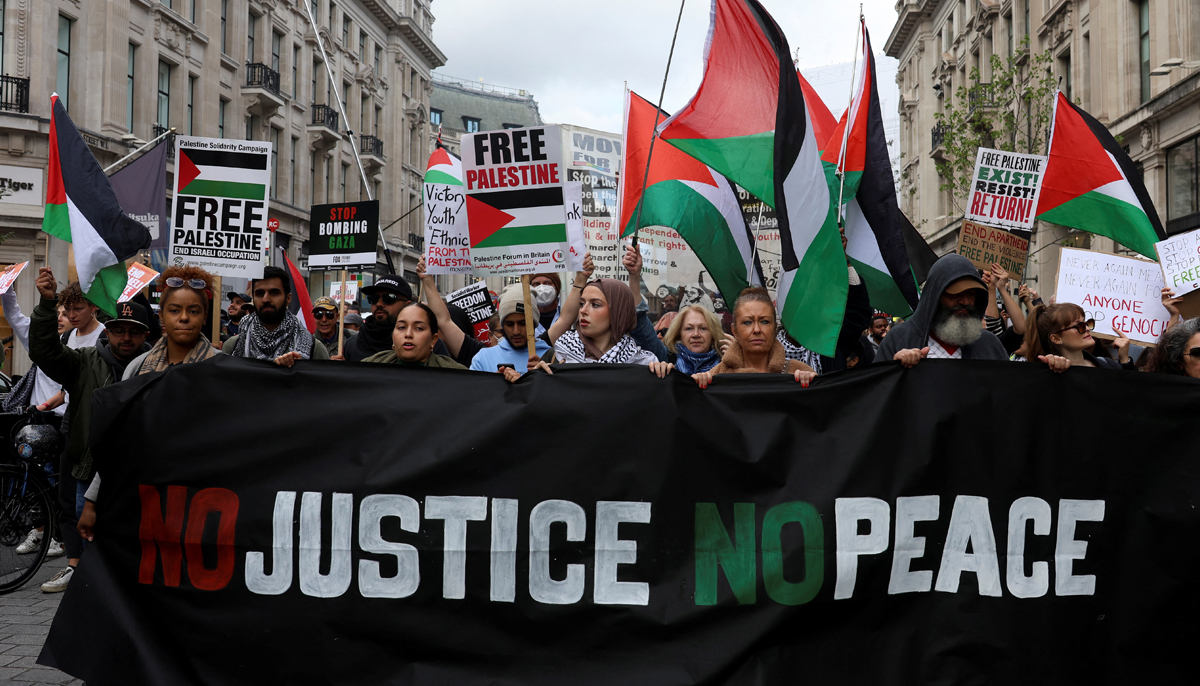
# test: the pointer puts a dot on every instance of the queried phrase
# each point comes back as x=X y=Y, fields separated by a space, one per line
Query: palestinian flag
x=1092 y=185
x=82 y=209
x=520 y=217
x=822 y=119
x=301 y=304
x=221 y=174
x=444 y=168
x=748 y=121
x=874 y=228
x=688 y=196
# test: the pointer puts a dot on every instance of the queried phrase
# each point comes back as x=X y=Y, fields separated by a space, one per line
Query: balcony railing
x=259 y=75
x=980 y=96
x=14 y=94
x=371 y=145
x=938 y=135
x=324 y=115
x=170 y=141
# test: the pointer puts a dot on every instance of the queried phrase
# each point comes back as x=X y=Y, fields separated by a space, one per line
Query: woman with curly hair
x=1178 y=350
x=187 y=292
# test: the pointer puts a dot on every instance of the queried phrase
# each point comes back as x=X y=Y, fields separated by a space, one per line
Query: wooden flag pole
x=342 y=315
x=529 y=321
x=216 y=312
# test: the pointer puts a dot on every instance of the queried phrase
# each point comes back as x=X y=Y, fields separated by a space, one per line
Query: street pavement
x=25 y=617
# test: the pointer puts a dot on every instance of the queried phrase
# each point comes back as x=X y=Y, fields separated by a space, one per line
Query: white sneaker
x=31 y=543
x=56 y=549
x=58 y=582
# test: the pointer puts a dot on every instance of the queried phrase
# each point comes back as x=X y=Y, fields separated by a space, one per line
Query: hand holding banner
x=9 y=276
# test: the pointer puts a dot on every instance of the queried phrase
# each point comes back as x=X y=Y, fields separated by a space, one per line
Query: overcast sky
x=575 y=56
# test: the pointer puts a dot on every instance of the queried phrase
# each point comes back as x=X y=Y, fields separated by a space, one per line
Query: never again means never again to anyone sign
x=766 y=531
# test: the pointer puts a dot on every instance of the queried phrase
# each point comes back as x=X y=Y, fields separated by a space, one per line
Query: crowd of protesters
x=964 y=314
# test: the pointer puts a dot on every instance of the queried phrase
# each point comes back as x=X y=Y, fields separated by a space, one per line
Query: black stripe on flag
x=530 y=197
x=225 y=158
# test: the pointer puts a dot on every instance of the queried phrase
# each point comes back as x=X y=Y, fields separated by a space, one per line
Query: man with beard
x=874 y=337
x=272 y=332
x=387 y=296
x=948 y=322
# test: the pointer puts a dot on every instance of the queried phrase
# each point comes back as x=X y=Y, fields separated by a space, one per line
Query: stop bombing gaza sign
x=220 y=210
x=1005 y=188
x=343 y=235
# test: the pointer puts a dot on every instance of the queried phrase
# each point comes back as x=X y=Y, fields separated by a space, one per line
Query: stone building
x=1133 y=64
x=130 y=69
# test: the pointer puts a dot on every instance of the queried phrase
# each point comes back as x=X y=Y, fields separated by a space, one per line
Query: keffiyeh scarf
x=157 y=360
x=570 y=348
x=257 y=342
x=795 y=351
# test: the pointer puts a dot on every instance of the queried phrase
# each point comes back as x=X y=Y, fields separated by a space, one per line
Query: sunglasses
x=1194 y=353
x=1081 y=327
x=387 y=298
x=176 y=282
x=324 y=314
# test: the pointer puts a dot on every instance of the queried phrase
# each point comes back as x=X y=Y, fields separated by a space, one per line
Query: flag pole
x=841 y=165
x=161 y=136
x=637 y=223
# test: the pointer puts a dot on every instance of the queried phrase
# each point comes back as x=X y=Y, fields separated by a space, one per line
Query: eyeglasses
x=122 y=331
x=324 y=313
x=388 y=298
x=176 y=282
x=1194 y=353
x=1081 y=327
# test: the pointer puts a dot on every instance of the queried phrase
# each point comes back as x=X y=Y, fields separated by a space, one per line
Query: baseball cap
x=242 y=296
x=132 y=313
x=324 y=303
x=966 y=283
x=392 y=284
x=353 y=319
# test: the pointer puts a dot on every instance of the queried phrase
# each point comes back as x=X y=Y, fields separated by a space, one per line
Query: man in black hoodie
x=387 y=296
x=948 y=322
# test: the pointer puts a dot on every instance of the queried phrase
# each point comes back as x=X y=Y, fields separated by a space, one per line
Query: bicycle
x=27 y=501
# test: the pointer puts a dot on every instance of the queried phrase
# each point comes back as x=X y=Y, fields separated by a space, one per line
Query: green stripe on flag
x=56 y=221
x=435 y=176
x=1107 y=216
x=882 y=289
x=225 y=189
x=525 y=235
x=107 y=287
x=816 y=300
x=746 y=160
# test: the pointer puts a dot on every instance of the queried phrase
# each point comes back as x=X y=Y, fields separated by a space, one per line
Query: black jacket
x=915 y=332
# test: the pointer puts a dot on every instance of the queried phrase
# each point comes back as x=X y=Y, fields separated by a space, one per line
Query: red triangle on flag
x=1078 y=161
x=439 y=156
x=484 y=220
x=188 y=171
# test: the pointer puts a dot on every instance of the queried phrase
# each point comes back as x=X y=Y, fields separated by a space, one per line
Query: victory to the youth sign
x=220 y=210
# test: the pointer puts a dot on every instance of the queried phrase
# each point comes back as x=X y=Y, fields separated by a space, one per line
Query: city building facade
x=128 y=70
x=1133 y=64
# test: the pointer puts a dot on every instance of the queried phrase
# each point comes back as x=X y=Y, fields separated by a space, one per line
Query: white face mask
x=544 y=294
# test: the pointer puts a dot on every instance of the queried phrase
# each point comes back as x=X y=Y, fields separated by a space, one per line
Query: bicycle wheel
x=25 y=503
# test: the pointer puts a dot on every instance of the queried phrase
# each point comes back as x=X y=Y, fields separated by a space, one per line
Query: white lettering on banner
x=371 y=583
x=312 y=581
x=456 y=511
x=542 y=587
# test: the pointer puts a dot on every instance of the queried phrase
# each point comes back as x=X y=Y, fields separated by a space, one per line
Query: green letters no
x=779 y=589
x=737 y=557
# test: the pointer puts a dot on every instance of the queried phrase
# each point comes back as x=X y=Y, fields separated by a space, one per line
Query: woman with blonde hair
x=754 y=348
x=694 y=340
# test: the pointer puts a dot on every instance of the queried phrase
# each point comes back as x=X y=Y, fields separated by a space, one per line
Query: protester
x=1171 y=304
x=670 y=301
x=239 y=306
x=694 y=339
x=1178 y=350
x=272 y=332
x=545 y=289
x=495 y=330
x=994 y=317
x=182 y=308
x=80 y=371
x=35 y=388
x=325 y=313
x=415 y=334
x=387 y=296
x=512 y=348
x=644 y=333
x=456 y=338
x=948 y=322
x=1061 y=336
x=754 y=348
x=606 y=317
x=352 y=323
x=874 y=335
x=664 y=323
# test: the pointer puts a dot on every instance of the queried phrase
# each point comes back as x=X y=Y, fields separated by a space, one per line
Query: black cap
x=392 y=284
x=245 y=298
x=133 y=313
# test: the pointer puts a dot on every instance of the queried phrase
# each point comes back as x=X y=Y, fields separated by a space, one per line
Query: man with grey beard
x=948 y=322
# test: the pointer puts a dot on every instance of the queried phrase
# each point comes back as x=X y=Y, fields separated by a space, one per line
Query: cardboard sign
x=447 y=238
x=1115 y=291
x=351 y=291
x=9 y=276
x=574 y=197
x=985 y=246
x=343 y=235
x=139 y=276
x=220 y=209
x=1179 y=257
x=515 y=200
x=1005 y=189
x=477 y=302
x=593 y=158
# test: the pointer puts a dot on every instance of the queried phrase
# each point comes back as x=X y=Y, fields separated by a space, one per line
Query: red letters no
x=224 y=503
x=161 y=534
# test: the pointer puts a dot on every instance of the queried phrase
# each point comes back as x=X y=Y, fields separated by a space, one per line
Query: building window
x=362 y=45
x=435 y=117
x=276 y=42
x=328 y=172
x=1183 y=194
x=292 y=169
x=191 y=105
x=332 y=7
x=312 y=177
x=316 y=70
x=345 y=32
x=295 y=71
x=470 y=124
x=364 y=107
x=345 y=172
x=164 y=95
x=253 y=124
x=274 y=162
x=129 y=67
x=2 y=38
x=63 y=78
x=1144 y=46
x=169 y=3
x=251 y=29
x=221 y=118
x=511 y=126
x=192 y=15
x=378 y=58
x=224 y=27
x=378 y=116
x=1064 y=64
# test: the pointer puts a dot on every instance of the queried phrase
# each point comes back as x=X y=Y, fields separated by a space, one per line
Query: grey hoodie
x=914 y=332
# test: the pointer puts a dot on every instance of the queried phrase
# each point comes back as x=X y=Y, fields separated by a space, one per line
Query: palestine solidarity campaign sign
x=865 y=530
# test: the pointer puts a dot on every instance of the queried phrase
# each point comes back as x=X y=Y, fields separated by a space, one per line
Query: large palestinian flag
x=520 y=217
x=748 y=121
x=82 y=208
x=1092 y=185
x=221 y=173
x=822 y=119
x=444 y=168
x=688 y=196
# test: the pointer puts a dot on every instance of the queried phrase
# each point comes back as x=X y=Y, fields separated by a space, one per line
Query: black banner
x=961 y=522
x=343 y=235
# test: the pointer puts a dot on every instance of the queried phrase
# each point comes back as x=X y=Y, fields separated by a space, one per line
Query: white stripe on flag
x=724 y=198
x=234 y=174
x=536 y=216
x=91 y=252
x=861 y=243
x=807 y=194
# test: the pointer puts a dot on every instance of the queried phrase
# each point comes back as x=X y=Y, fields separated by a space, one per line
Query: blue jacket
x=502 y=353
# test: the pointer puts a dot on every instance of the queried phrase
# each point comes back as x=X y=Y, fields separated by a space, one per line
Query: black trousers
x=68 y=518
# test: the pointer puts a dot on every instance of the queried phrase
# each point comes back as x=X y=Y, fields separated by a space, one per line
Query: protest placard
x=515 y=200
x=761 y=219
x=986 y=245
x=139 y=276
x=343 y=235
x=1116 y=291
x=9 y=276
x=574 y=198
x=344 y=291
x=447 y=239
x=220 y=207
x=477 y=302
x=1179 y=257
x=593 y=158
x=669 y=265
x=1005 y=189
